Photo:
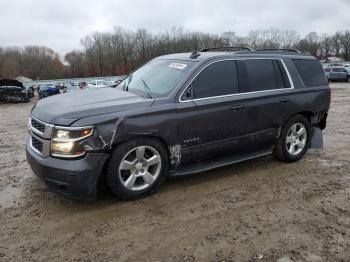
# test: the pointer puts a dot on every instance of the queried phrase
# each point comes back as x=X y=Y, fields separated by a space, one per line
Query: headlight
x=66 y=141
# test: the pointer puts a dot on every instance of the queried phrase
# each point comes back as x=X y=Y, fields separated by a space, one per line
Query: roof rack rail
x=228 y=47
x=280 y=50
x=194 y=54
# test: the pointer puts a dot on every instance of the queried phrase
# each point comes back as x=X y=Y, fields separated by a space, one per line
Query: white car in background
x=97 y=84
x=347 y=68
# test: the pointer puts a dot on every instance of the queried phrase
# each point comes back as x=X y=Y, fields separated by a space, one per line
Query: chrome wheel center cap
x=138 y=166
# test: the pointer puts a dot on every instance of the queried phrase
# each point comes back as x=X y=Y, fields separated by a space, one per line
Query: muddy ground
x=260 y=210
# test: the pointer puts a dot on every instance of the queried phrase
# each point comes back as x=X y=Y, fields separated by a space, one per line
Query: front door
x=209 y=118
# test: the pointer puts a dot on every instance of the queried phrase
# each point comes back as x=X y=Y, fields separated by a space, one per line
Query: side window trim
x=291 y=84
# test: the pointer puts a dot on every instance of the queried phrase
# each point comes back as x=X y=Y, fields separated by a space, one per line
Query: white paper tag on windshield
x=177 y=66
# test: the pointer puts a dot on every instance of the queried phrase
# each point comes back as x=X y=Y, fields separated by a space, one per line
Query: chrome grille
x=37 y=125
x=40 y=128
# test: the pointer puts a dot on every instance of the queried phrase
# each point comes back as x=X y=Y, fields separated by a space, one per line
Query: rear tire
x=294 y=139
x=137 y=168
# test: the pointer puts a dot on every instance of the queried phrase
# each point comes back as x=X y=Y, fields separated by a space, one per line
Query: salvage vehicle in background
x=48 y=90
x=338 y=74
x=179 y=114
x=13 y=91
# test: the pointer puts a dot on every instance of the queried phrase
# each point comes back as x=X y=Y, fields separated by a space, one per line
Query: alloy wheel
x=296 y=139
x=140 y=168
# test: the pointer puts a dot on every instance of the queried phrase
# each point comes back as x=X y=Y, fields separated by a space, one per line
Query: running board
x=219 y=162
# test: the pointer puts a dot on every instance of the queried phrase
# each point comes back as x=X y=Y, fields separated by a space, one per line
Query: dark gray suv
x=178 y=114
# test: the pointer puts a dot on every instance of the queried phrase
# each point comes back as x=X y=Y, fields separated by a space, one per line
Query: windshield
x=156 y=78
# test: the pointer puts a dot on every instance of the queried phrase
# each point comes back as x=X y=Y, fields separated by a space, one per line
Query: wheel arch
x=101 y=183
x=307 y=114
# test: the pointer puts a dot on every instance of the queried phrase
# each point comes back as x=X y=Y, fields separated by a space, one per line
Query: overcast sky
x=61 y=24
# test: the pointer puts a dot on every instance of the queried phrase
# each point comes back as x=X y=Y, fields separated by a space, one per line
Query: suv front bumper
x=76 y=178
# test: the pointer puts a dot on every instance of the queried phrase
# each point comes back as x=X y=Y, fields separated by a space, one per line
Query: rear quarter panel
x=313 y=99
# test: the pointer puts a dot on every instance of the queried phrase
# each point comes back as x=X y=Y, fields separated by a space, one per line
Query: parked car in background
x=338 y=74
x=13 y=91
x=179 y=114
x=335 y=65
x=347 y=68
x=48 y=90
x=98 y=84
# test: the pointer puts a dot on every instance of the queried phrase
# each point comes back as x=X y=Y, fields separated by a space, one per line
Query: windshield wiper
x=147 y=89
x=127 y=87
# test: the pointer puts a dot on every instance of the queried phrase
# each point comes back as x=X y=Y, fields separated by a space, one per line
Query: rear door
x=264 y=86
x=242 y=121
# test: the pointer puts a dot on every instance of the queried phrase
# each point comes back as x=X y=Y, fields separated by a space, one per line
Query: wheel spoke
x=129 y=183
x=148 y=178
x=153 y=160
x=294 y=129
x=291 y=149
x=301 y=144
x=140 y=152
x=301 y=131
x=289 y=139
x=126 y=165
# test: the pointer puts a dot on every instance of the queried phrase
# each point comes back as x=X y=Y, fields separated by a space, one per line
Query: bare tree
x=326 y=46
x=345 y=44
x=336 y=43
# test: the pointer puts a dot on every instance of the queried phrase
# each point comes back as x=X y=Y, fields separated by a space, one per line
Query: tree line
x=120 y=51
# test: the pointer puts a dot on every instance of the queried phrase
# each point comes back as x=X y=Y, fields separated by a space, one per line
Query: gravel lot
x=260 y=210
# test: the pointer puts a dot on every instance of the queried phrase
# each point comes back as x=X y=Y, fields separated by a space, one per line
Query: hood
x=64 y=109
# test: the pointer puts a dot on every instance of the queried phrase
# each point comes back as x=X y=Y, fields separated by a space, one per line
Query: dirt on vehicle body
x=260 y=210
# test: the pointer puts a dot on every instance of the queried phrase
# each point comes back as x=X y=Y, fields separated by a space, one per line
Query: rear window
x=260 y=75
x=311 y=72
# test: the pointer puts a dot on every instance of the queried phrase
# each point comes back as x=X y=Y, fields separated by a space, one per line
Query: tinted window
x=217 y=79
x=282 y=80
x=311 y=72
x=259 y=75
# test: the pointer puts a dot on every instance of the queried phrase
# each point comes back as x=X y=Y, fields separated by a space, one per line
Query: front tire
x=137 y=168
x=294 y=139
